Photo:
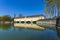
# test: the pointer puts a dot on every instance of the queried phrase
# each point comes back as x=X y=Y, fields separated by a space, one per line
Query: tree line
x=6 y=18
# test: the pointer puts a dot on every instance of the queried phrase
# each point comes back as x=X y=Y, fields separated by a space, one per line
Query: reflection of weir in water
x=33 y=26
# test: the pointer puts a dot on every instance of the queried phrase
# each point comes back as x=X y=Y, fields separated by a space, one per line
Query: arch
x=22 y=21
x=28 y=22
x=34 y=22
x=16 y=22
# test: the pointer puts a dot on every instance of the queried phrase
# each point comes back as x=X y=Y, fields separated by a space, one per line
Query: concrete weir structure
x=29 y=19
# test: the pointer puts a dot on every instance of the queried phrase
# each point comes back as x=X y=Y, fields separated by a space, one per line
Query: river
x=28 y=32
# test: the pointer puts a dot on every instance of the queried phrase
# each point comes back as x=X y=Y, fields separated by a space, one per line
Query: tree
x=14 y=15
x=0 y=19
x=20 y=15
x=52 y=6
x=6 y=18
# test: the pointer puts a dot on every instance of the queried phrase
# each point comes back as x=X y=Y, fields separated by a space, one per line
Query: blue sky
x=25 y=7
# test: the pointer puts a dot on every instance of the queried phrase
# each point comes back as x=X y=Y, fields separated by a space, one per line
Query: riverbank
x=6 y=22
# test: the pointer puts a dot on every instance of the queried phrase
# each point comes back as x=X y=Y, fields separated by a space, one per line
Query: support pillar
x=58 y=22
x=25 y=22
x=19 y=21
x=31 y=22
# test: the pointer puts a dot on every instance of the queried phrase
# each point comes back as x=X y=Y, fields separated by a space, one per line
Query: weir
x=28 y=19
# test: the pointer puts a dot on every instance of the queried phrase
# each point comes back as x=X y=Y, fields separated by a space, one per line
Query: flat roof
x=30 y=16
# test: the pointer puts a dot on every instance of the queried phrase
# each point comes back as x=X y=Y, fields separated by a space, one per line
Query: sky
x=24 y=7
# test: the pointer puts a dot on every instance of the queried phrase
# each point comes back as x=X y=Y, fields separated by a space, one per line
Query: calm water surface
x=23 y=32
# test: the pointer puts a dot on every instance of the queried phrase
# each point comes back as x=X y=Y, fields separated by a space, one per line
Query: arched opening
x=34 y=22
x=22 y=21
x=17 y=21
x=28 y=22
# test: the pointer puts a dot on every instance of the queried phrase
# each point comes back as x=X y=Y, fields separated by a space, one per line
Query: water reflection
x=58 y=31
x=28 y=32
x=30 y=26
x=5 y=26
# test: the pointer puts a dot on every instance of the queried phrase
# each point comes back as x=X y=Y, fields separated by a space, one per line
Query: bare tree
x=20 y=15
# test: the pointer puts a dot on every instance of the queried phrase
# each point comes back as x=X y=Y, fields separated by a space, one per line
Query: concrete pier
x=58 y=22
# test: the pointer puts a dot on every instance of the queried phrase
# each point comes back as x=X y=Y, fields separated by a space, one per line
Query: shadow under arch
x=34 y=22
x=22 y=22
x=16 y=21
x=28 y=22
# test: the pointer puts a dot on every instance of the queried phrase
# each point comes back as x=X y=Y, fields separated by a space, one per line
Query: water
x=28 y=32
